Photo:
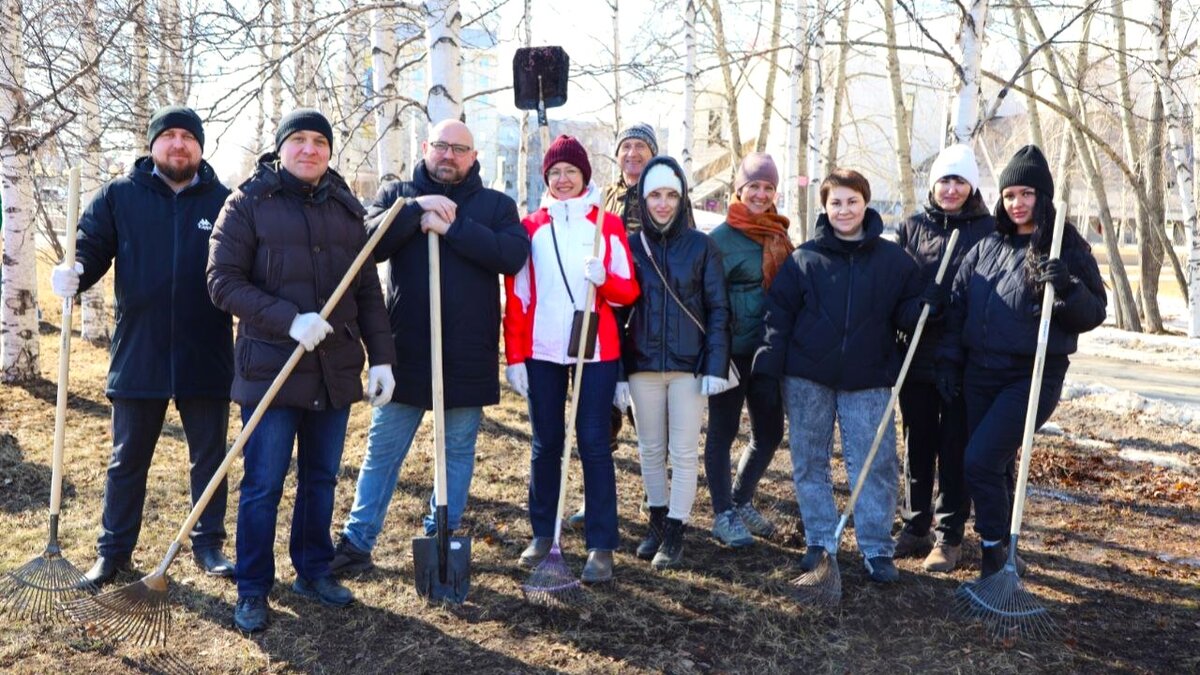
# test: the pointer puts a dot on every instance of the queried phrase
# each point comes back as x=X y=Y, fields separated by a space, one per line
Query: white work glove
x=711 y=385
x=593 y=269
x=380 y=385
x=309 y=329
x=518 y=378
x=64 y=280
x=621 y=397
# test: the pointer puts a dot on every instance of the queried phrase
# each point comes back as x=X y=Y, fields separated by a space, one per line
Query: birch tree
x=614 y=5
x=839 y=89
x=389 y=131
x=1031 y=106
x=764 y=127
x=523 y=148
x=93 y=315
x=443 y=22
x=817 y=55
x=796 y=161
x=18 y=297
x=899 y=112
x=171 y=69
x=1160 y=27
x=689 y=86
x=965 y=114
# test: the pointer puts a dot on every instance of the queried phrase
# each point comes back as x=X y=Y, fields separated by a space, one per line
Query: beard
x=448 y=173
x=180 y=174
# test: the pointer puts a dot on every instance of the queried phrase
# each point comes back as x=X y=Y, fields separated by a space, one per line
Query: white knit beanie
x=660 y=175
x=956 y=160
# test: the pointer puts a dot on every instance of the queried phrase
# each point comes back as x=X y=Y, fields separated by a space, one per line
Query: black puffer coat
x=485 y=241
x=659 y=335
x=169 y=341
x=834 y=309
x=924 y=236
x=994 y=312
x=279 y=249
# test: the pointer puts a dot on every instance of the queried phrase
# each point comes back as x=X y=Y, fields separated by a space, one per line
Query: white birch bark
x=523 y=148
x=1160 y=27
x=171 y=25
x=140 y=66
x=93 y=324
x=795 y=164
x=965 y=114
x=18 y=299
x=689 y=86
x=615 y=5
x=389 y=143
x=817 y=122
x=899 y=114
x=443 y=22
x=301 y=78
x=276 y=77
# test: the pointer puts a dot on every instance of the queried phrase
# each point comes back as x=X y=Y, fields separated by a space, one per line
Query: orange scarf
x=768 y=229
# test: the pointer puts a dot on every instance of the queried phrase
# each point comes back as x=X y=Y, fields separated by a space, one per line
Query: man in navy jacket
x=170 y=342
x=482 y=238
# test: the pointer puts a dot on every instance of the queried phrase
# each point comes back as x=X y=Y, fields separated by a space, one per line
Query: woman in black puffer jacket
x=935 y=423
x=992 y=327
x=672 y=363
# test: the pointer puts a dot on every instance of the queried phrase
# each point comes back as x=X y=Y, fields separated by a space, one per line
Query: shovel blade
x=427 y=565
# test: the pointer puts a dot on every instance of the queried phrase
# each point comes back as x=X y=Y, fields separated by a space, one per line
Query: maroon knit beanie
x=756 y=166
x=567 y=149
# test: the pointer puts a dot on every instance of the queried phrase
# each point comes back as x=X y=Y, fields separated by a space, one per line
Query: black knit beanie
x=175 y=117
x=1028 y=167
x=303 y=119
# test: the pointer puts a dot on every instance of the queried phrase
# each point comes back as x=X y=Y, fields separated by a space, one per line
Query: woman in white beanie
x=675 y=351
x=934 y=415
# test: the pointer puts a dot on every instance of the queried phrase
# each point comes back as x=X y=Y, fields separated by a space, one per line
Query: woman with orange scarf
x=754 y=244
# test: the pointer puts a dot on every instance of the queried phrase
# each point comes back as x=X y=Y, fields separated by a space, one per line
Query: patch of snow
x=1178 y=560
x=1092 y=443
x=1150 y=411
x=1167 y=460
x=1176 y=351
x=1051 y=429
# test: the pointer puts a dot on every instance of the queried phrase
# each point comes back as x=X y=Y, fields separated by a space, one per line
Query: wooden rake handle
x=887 y=412
x=64 y=348
x=276 y=385
x=577 y=385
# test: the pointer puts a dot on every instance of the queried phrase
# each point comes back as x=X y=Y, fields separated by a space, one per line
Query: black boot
x=992 y=559
x=670 y=553
x=654 y=538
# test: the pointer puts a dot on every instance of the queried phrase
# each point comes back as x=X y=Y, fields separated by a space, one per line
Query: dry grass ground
x=1100 y=533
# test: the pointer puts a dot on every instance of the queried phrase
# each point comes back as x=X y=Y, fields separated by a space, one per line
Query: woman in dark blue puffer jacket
x=992 y=326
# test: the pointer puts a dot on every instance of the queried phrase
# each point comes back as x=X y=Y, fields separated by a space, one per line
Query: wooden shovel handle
x=435 y=336
x=277 y=383
x=64 y=347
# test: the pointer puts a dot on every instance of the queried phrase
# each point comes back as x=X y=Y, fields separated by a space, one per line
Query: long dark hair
x=1044 y=215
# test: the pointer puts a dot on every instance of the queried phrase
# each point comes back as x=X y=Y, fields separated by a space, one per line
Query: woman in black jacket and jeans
x=992 y=326
x=935 y=428
x=675 y=351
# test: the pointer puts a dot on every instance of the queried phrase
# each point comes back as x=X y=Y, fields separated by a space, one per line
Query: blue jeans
x=320 y=435
x=393 y=428
x=812 y=409
x=548 y=395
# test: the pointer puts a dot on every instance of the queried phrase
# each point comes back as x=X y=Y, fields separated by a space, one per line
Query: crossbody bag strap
x=561 y=271
x=667 y=285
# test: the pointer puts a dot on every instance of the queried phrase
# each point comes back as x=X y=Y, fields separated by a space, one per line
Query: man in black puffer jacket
x=282 y=244
x=482 y=238
x=935 y=419
x=170 y=341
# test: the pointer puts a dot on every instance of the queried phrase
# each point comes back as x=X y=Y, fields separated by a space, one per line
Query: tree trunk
x=171 y=60
x=276 y=77
x=817 y=123
x=18 y=294
x=615 y=5
x=965 y=114
x=1160 y=27
x=796 y=164
x=899 y=114
x=735 y=131
x=93 y=322
x=444 y=75
x=839 y=90
x=689 y=86
x=139 y=66
x=1035 y=119
x=389 y=142
x=764 y=127
x=523 y=149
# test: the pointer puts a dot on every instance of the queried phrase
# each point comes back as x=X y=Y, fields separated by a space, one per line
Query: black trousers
x=724 y=421
x=136 y=426
x=935 y=438
x=996 y=401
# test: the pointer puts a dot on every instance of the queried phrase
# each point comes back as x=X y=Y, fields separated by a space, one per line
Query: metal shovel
x=540 y=82
x=441 y=564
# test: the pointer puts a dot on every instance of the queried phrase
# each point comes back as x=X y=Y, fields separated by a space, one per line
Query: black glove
x=1054 y=272
x=765 y=389
x=936 y=297
x=948 y=381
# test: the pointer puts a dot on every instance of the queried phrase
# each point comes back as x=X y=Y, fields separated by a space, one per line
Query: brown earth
x=1104 y=538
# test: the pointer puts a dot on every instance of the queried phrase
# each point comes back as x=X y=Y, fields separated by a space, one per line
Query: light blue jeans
x=812 y=409
x=393 y=427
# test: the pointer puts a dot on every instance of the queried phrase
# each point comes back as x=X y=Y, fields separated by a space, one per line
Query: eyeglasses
x=459 y=150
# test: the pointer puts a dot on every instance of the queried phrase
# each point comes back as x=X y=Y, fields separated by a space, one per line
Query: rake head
x=822 y=585
x=1007 y=609
x=138 y=613
x=552 y=581
x=34 y=591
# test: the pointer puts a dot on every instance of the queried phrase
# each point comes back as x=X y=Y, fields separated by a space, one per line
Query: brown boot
x=909 y=545
x=943 y=558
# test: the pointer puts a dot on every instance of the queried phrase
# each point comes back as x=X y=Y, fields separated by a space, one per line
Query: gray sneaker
x=575 y=520
x=754 y=521
x=728 y=527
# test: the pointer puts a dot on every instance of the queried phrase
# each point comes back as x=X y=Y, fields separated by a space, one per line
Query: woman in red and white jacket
x=542 y=300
